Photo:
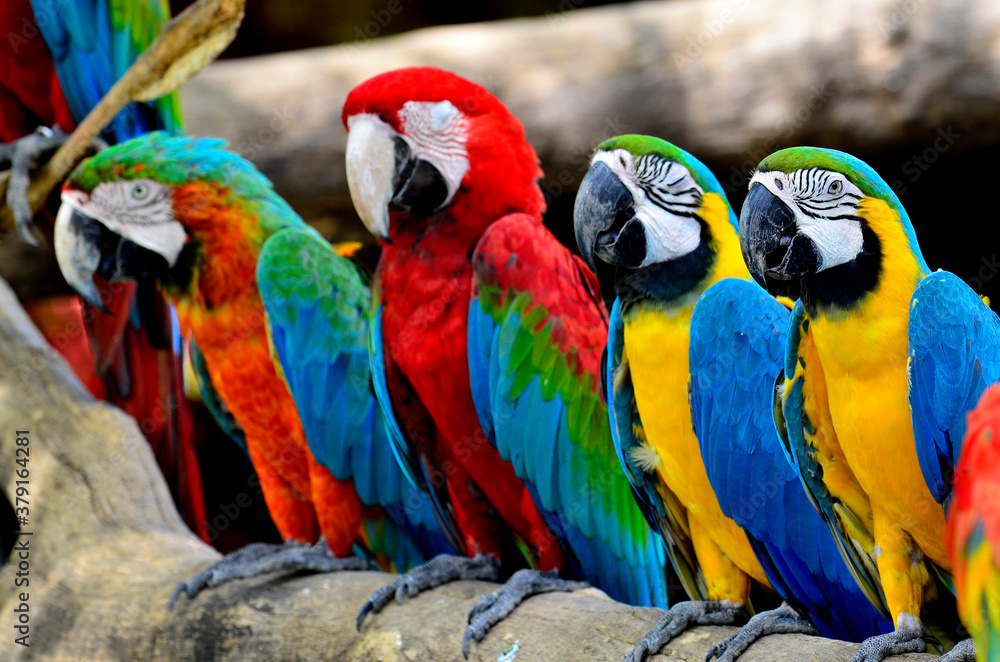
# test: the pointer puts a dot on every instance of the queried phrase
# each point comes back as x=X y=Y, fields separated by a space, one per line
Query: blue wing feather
x=513 y=366
x=954 y=354
x=734 y=363
x=318 y=323
x=90 y=55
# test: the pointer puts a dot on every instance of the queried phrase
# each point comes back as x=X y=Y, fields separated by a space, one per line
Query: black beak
x=604 y=221
x=776 y=254
x=85 y=247
x=418 y=187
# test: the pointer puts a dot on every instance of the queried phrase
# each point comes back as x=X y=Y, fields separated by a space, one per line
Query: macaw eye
x=140 y=191
x=835 y=187
x=778 y=185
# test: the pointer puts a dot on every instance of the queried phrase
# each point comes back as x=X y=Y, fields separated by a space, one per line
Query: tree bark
x=105 y=547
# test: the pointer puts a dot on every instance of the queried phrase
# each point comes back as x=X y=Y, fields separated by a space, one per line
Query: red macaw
x=973 y=533
x=487 y=340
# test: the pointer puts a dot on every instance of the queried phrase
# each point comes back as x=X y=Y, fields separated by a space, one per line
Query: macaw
x=884 y=359
x=973 y=520
x=486 y=347
x=244 y=272
x=57 y=59
x=712 y=476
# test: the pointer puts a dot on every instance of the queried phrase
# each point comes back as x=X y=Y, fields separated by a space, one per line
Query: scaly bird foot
x=910 y=636
x=496 y=606
x=439 y=570
x=679 y=618
x=260 y=558
x=783 y=620
x=21 y=157
x=964 y=651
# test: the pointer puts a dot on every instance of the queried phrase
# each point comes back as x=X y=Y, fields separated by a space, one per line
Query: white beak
x=77 y=256
x=371 y=160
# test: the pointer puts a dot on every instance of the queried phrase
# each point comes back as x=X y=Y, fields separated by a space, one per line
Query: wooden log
x=105 y=547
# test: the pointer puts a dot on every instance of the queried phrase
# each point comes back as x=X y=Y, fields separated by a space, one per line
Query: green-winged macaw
x=487 y=342
x=713 y=476
x=281 y=322
x=973 y=534
x=884 y=360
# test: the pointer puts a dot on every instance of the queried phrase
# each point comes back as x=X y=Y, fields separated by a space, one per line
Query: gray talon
x=679 y=618
x=493 y=607
x=783 y=620
x=261 y=558
x=910 y=636
x=439 y=570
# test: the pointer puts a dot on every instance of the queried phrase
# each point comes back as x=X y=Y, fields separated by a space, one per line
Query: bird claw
x=439 y=570
x=23 y=156
x=783 y=620
x=910 y=636
x=495 y=606
x=964 y=651
x=679 y=618
x=260 y=558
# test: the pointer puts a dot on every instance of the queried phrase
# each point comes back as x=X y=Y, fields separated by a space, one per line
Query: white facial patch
x=665 y=196
x=825 y=206
x=436 y=132
x=139 y=210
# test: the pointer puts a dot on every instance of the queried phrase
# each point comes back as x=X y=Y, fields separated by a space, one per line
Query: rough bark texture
x=729 y=80
x=106 y=547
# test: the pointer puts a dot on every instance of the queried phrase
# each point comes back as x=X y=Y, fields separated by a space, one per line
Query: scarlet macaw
x=486 y=347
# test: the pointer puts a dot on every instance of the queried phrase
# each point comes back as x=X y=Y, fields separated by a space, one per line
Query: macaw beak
x=774 y=250
x=383 y=173
x=77 y=250
x=604 y=222
x=85 y=246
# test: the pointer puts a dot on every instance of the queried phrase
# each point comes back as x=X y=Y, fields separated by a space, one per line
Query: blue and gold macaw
x=884 y=360
x=661 y=218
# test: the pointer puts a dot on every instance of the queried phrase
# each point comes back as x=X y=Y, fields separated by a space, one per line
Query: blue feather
x=734 y=363
x=954 y=354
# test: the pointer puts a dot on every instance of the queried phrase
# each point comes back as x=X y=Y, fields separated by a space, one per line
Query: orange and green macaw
x=884 y=359
x=281 y=322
